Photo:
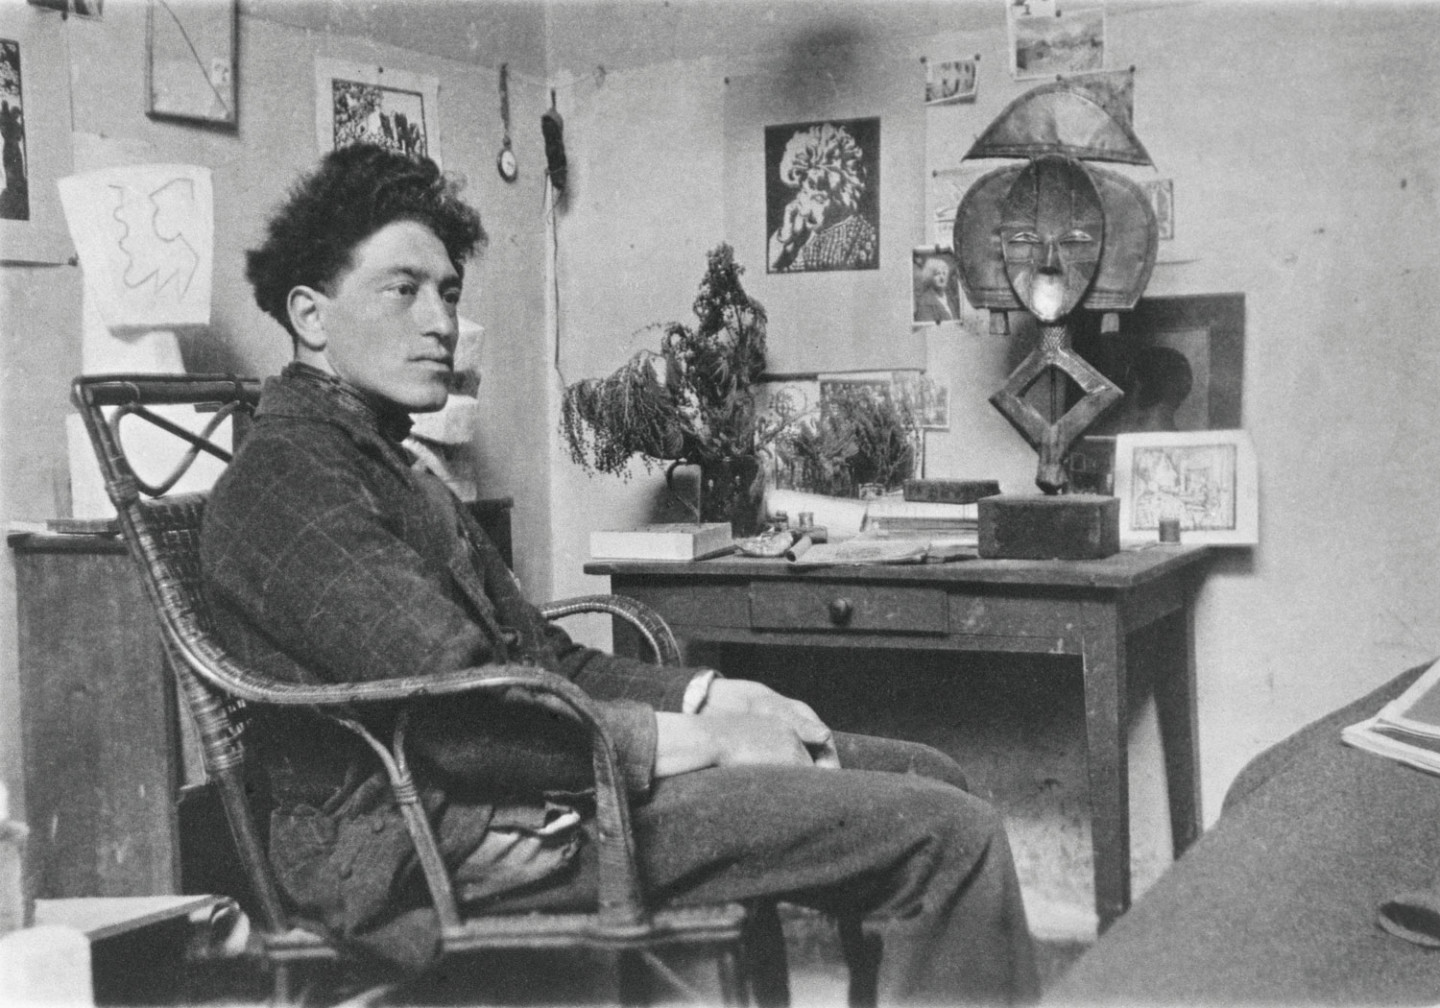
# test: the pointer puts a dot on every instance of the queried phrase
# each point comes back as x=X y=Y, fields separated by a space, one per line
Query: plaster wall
x=1302 y=154
x=252 y=167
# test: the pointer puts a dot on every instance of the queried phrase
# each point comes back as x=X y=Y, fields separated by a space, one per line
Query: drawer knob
x=840 y=609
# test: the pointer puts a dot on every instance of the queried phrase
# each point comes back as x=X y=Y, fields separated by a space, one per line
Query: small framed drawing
x=359 y=102
x=1205 y=479
x=190 y=62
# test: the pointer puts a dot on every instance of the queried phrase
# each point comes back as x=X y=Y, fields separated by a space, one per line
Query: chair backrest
x=162 y=531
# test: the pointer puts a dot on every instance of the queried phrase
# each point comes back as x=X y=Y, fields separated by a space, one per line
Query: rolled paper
x=798 y=547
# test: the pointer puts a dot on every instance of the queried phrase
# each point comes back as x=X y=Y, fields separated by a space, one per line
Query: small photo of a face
x=936 y=286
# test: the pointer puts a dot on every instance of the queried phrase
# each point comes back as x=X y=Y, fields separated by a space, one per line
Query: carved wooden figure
x=1050 y=237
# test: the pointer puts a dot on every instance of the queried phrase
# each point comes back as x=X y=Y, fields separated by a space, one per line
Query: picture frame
x=191 y=51
x=35 y=81
x=1204 y=479
x=847 y=237
x=361 y=102
x=1191 y=351
x=1201 y=335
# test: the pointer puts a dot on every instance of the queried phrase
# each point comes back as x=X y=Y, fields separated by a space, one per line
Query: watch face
x=507 y=166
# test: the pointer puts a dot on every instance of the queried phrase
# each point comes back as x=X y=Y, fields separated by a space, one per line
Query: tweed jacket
x=327 y=558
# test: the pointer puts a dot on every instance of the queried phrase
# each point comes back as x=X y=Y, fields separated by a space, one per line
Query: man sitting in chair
x=329 y=558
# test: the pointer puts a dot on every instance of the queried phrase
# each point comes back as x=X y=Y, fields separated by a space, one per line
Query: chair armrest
x=647 y=622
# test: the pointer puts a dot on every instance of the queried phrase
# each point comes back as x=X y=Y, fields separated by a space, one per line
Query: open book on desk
x=1407 y=729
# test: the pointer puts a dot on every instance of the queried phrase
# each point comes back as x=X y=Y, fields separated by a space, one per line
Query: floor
x=817 y=978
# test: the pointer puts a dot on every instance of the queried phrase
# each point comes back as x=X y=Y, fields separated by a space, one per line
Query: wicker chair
x=162 y=533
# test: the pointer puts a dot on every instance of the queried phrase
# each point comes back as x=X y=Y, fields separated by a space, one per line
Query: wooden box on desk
x=1040 y=527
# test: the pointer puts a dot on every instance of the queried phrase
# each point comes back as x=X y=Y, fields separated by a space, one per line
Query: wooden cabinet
x=106 y=759
x=98 y=721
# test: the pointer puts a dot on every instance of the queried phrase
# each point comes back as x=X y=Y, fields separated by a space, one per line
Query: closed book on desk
x=1407 y=729
x=679 y=541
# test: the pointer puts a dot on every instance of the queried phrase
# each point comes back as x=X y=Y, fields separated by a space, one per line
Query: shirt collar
x=306 y=392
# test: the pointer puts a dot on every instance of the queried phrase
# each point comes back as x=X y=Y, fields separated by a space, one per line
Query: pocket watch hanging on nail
x=506 y=163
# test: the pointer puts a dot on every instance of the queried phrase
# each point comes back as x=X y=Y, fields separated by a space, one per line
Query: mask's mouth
x=1047 y=296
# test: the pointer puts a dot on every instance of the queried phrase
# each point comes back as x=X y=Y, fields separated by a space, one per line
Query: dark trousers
x=893 y=839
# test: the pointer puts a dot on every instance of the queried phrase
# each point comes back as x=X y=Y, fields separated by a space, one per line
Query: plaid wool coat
x=327 y=558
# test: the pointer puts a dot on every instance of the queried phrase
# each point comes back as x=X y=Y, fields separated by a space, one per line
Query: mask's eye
x=1076 y=237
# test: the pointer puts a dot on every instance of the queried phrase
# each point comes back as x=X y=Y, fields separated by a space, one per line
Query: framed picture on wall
x=822 y=196
x=1180 y=362
x=190 y=62
x=35 y=128
x=357 y=102
x=1204 y=479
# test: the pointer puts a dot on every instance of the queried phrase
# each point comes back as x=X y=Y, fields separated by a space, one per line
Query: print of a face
x=1052 y=226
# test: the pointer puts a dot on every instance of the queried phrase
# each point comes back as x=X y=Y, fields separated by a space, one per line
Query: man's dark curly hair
x=353 y=193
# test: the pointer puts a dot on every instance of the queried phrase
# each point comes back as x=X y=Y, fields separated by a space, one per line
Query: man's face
x=1051 y=228
x=815 y=200
x=390 y=321
x=939 y=275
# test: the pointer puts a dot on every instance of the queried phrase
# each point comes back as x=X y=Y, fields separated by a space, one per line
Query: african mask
x=1051 y=231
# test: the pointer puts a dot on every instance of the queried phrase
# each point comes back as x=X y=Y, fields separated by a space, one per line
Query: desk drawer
x=855 y=607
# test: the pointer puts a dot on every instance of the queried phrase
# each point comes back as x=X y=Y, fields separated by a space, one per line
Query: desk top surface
x=1127 y=569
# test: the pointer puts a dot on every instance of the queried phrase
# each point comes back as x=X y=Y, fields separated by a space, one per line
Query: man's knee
x=871 y=752
x=927 y=761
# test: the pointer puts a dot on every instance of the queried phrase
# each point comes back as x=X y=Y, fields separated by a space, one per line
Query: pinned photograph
x=15 y=197
x=951 y=81
x=936 y=286
x=1065 y=42
x=356 y=103
x=1161 y=193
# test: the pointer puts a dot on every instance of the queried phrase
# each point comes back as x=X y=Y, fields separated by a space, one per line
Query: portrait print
x=822 y=196
x=936 y=285
x=15 y=197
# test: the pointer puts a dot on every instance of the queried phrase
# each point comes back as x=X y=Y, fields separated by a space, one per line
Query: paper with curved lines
x=145 y=235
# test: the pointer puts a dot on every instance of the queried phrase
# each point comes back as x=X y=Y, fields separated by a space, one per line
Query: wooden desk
x=1086 y=608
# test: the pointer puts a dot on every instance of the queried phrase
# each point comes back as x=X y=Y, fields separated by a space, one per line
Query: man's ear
x=306 y=308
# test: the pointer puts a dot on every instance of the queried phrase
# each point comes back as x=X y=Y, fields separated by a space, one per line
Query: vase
x=729 y=490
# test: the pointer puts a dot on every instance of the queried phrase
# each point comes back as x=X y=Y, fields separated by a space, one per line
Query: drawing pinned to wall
x=15 y=197
x=822 y=196
x=950 y=81
x=145 y=234
x=1046 y=40
x=191 y=61
x=1205 y=480
x=945 y=187
x=1161 y=193
x=375 y=104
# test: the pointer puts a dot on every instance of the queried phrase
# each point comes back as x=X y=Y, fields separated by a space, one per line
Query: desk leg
x=1176 y=709
x=1107 y=758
